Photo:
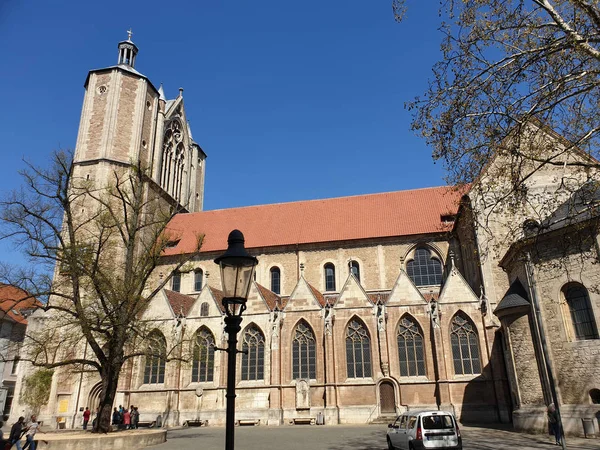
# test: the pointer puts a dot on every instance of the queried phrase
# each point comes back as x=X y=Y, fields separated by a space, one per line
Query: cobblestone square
x=356 y=437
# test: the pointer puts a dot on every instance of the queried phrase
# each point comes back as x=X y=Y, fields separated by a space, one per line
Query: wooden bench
x=247 y=422
x=303 y=421
x=195 y=423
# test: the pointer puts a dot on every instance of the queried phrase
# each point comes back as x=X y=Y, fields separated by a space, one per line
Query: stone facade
x=376 y=341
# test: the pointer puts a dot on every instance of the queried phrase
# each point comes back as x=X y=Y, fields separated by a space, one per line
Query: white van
x=419 y=430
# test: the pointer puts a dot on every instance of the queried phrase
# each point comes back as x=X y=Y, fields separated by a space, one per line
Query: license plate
x=435 y=438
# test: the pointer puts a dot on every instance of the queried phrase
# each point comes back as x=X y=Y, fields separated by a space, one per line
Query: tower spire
x=127 y=51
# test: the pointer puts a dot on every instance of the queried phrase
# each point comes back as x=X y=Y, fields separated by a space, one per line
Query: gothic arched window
x=304 y=353
x=253 y=361
x=424 y=269
x=176 y=282
x=173 y=160
x=198 y=276
x=276 y=280
x=355 y=270
x=329 y=277
x=580 y=310
x=204 y=356
x=204 y=309
x=156 y=358
x=465 y=345
x=411 y=350
x=358 y=350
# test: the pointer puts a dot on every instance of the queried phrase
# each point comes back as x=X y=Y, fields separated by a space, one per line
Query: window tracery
x=204 y=356
x=411 y=350
x=173 y=160
x=253 y=360
x=304 y=354
x=465 y=346
x=358 y=350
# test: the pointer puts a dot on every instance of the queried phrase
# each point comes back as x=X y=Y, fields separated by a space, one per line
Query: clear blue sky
x=290 y=100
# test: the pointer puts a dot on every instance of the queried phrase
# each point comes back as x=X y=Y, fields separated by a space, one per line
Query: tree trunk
x=110 y=381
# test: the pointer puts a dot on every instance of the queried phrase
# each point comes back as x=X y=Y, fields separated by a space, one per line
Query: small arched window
x=204 y=356
x=253 y=358
x=465 y=346
x=580 y=309
x=355 y=270
x=424 y=269
x=204 y=309
x=176 y=282
x=358 y=350
x=154 y=369
x=276 y=280
x=304 y=353
x=329 y=277
x=198 y=278
x=595 y=396
x=410 y=348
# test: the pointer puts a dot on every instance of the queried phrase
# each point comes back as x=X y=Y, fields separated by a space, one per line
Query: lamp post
x=237 y=269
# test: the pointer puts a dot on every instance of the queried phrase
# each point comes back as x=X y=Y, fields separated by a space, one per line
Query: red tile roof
x=180 y=303
x=218 y=296
x=16 y=304
x=271 y=298
x=400 y=213
x=320 y=298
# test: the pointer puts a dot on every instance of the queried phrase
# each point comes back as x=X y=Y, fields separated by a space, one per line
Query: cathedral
x=362 y=307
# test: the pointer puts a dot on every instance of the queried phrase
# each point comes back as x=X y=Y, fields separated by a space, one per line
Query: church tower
x=125 y=119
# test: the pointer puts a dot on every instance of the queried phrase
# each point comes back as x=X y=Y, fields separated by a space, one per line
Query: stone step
x=384 y=419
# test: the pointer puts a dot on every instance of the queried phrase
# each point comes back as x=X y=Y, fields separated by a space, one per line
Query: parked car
x=420 y=430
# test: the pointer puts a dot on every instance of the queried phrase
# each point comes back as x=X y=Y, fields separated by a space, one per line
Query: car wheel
x=390 y=445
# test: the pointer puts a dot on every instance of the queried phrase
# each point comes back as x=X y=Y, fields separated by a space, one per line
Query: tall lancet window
x=410 y=348
x=253 y=356
x=304 y=353
x=173 y=160
x=358 y=350
x=465 y=345
x=204 y=356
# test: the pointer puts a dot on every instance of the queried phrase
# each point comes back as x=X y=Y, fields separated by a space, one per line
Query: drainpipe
x=542 y=338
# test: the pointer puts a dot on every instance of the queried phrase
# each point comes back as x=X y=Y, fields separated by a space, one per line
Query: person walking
x=15 y=432
x=86 y=417
x=32 y=429
x=553 y=422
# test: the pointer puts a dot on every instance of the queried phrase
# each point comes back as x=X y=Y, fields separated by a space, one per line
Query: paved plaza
x=356 y=437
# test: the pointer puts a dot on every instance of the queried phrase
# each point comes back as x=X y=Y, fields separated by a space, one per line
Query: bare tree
x=519 y=80
x=93 y=247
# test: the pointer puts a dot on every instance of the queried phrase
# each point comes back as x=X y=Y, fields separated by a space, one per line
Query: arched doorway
x=387 y=398
x=94 y=398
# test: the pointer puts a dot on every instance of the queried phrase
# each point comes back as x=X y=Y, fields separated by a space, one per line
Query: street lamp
x=237 y=269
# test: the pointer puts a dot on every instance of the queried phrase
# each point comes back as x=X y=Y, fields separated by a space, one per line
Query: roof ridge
x=373 y=194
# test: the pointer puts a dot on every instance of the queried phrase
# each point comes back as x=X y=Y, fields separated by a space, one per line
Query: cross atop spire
x=129 y=34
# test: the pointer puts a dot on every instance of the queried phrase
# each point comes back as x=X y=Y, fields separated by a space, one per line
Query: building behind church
x=362 y=307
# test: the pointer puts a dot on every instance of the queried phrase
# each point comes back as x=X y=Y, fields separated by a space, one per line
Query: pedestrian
x=32 y=429
x=86 y=417
x=135 y=417
x=126 y=419
x=116 y=417
x=15 y=432
x=553 y=422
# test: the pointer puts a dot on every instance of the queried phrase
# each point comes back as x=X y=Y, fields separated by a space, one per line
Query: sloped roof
x=218 y=295
x=180 y=303
x=320 y=298
x=401 y=213
x=515 y=299
x=379 y=297
x=272 y=299
x=16 y=304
